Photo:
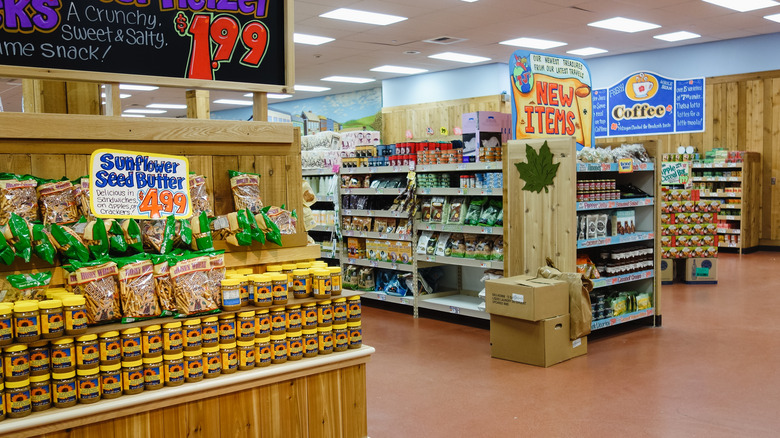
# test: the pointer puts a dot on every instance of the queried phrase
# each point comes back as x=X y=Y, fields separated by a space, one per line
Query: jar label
x=355 y=336
x=110 y=350
x=194 y=337
x=87 y=354
x=89 y=388
x=194 y=367
x=75 y=319
x=61 y=357
x=231 y=297
x=227 y=330
x=210 y=334
x=17 y=365
x=246 y=358
x=229 y=359
x=174 y=372
x=6 y=329
x=299 y=284
x=335 y=284
x=64 y=392
x=152 y=343
x=294 y=320
x=27 y=327
x=39 y=360
x=52 y=323
x=279 y=293
x=244 y=293
x=263 y=354
x=131 y=347
x=310 y=345
x=354 y=310
x=326 y=341
x=247 y=328
x=324 y=315
x=132 y=380
x=280 y=350
x=213 y=364
x=18 y=402
x=263 y=294
x=279 y=322
x=341 y=340
x=295 y=348
x=41 y=395
x=111 y=383
x=263 y=325
x=340 y=312
x=310 y=316
x=173 y=340
x=152 y=375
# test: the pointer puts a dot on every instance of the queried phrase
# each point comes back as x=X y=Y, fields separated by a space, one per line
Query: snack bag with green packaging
x=191 y=291
x=246 y=191
x=475 y=210
x=27 y=286
x=184 y=232
x=136 y=288
x=6 y=251
x=18 y=234
x=133 y=236
x=43 y=243
x=490 y=213
x=116 y=236
x=201 y=232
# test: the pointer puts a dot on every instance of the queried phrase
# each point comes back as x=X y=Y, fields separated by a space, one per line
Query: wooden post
x=32 y=95
x=260 y=107
x=198 y=104
x=83 y=97
x=42 y=96
x=113 y=104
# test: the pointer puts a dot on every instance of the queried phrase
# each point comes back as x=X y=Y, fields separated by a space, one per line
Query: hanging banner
x=551 y=97
x=648 y=103
x=180 y=43
x=138 y=185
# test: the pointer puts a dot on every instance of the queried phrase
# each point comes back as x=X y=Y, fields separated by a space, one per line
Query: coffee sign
x=648 y=103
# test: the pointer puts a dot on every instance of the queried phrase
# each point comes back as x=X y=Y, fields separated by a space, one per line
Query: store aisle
x=711 y=370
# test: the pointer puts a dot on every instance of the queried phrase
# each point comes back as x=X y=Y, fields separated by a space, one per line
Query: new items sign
x=647 y=103
x=551 y=97
x=138 y=185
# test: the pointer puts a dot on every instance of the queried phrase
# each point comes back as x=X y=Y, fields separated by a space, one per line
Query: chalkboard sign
x=223 y=44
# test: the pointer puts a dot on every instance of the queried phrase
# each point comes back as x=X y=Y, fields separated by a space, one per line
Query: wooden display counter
x=324 y=396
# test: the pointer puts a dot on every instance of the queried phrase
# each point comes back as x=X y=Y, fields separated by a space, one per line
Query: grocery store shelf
x=381 y=296
x=622 y=279
x=376 y=213
x=460 y=192
x=611 y=167
x=357 y=191
x=376 y=169
x=729 y=245
x=729 y=231
x=618 y=203
x=381 y=265
x=717 y=166
x=615 y=240
x=319 y=172
x=324 y=228
x=466 y=305
x=329 y=254
x=615 y=320
x=716 y=179
x=375 y=235
x=726 y=217
x=490 y=165
x=326 y=199
x=719 y=195
x=730 y=206
x=457 y=261
x=451 y=228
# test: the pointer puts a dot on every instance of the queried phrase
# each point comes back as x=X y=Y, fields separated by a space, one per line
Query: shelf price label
x=138 y=185
x=455 y=310
x=215 y=40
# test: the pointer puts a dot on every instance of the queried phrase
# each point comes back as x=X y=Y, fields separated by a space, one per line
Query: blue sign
x=647 y=103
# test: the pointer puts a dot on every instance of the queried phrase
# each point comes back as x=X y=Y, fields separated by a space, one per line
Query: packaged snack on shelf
x=484 y=248
x=490 y=212
x=457 y=246
x=380 y=225
x=592 y=227
x=346 y=223
x=438 y=209
x=95 y=236
x=246 y=191
x=498 y=249
x=82 y=197
x=183 y=234
x=404 y=227
x=18 y=195
x=57 y=201
x=201 y=232
x=475 y=210
x=351 y=279
x=162 y=282
x=457 y=211
x=366 y=279
x=199 y=195
x=283 y=219
x=426 y=210
x=191 y=292
x=269 y=228
x=158 y=235
x=17 y=232
x=26 y=287
x=136 y=287
x=43 y=243
x=233 y=227
x=116 y=238
x=500 y=218
x=471 y=246
x=422 y=241
x=404 y=252
x=68 y=243
x=132 y=233
x=442 y=244
x=430 y=248
x=216 y=274
x=97 y=281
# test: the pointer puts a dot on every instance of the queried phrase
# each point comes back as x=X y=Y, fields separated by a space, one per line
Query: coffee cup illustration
x=641 y=89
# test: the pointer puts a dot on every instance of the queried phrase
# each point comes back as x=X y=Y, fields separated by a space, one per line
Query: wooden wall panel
x=353 y=402
x=324 y=405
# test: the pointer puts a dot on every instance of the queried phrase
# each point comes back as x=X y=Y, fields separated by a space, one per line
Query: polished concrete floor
x=711 y=370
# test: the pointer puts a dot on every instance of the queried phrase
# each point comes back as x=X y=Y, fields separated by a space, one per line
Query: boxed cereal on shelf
x=356 y=248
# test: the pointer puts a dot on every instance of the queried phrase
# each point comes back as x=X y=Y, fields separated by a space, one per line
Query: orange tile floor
x=711 y=370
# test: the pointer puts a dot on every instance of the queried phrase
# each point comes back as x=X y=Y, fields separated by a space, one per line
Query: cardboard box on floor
x=541 y=343
x=667 y=270
x=527 y=297
x=701 y=270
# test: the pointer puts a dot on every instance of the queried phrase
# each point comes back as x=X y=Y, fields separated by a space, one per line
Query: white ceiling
x=360 y=47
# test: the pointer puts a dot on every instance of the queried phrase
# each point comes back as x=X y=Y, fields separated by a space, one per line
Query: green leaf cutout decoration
x=539 y=171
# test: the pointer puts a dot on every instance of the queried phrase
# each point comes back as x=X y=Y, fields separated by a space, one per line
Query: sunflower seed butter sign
x=551 y=97
x=138 y=185
x=647 y=103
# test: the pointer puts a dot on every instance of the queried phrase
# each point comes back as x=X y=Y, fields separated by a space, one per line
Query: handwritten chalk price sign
x=138 y=185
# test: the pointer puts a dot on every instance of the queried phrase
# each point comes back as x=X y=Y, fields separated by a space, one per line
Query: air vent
x=444 y=40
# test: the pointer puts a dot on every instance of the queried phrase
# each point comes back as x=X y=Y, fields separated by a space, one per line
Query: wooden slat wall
x=418 y=118
x=742 y=113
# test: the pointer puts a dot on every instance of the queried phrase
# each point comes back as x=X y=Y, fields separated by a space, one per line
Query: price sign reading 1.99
x=138 y=185
x=218 y=39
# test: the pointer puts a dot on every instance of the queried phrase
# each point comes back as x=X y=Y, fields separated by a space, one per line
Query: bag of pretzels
x=246 y=191
x=190 y=280
x=136 y=288
x=97 y=281
x=18 y=195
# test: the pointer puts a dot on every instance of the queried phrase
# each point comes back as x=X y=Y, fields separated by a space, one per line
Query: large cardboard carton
x=542 y=343
x=701 y=270
x=527 y=297
x=485 y=121
x=667 y=270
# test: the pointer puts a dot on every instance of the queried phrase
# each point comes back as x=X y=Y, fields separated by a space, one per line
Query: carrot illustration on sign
x=539 y=172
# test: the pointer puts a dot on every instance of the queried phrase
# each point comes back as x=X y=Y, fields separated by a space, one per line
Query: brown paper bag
x=579 y=300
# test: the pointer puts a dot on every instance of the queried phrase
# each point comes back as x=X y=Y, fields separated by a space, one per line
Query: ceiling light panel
x=279 y=96
x=167 y=106
x=743 y=5
x=348 y=79
x=459 y=57
x=137 y=87
x=233 y=102
x=586 y=51
x=312 y=40
x=532 y=43
x=144 y=111
x=365 y=17
x=399 y=70
x=624 y=25
x=677 y=36
x=311 y=88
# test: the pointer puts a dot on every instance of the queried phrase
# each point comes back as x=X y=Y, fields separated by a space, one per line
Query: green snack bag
x=132 y=232
x=257 y=234
x=272 y=233
x=246 y=191
x=96 y=238
x=490 y=213
x=184 y=232
x=17 y=233
x=116 y=236
x=43 y=243
x=69 y=243
x=189 y=277
x=136 y=288
x=475 y=210
x=6 y=252
x=200 y=226
x=28 y=286
x=243 y=234
x=159 y=235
